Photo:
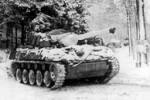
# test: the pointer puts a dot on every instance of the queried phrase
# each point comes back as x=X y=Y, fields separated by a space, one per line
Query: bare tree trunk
x=128 y=12
x=130 y=34
x=22 y=34
x=16 y=37
x=137 y=20
x=141 y=32
x=141 y=20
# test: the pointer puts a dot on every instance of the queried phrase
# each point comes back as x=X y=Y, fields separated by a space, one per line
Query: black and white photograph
x=74 y=49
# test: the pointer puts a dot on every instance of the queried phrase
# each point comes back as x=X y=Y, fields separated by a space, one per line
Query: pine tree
x=65 y=14
x=16 y=14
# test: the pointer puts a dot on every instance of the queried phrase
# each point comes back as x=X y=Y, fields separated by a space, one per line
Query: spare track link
x=113 y=70
x=57 y=69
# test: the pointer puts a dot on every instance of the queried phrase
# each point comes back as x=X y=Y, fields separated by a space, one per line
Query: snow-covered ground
x=130 y=84
x=129 y=73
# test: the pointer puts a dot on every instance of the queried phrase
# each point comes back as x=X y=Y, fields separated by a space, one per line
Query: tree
x=141 y=33
x=65 y=14
x=136 y=15
x=18 y=14
x=127 y=7
x=141 y=19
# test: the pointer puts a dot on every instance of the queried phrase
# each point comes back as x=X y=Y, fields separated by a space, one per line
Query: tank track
x=51 y=75
x=113 y=70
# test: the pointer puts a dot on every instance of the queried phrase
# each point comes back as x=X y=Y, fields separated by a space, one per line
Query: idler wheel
x=25 y=76
x=31 y=77
x=47 y=80
x=18 y=75
x=39 y=78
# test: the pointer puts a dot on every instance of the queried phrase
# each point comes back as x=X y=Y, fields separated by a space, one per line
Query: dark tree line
x=66 y=14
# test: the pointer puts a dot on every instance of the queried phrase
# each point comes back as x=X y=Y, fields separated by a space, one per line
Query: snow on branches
x=65 y=14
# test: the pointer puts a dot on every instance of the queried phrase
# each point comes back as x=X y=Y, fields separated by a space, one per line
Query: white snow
x=71 y=53
x=21 y=4
x=130 y=84
x=43 y=35
x=129 y=73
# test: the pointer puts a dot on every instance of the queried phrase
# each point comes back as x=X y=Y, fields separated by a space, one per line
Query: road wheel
x=39 y=78
x=31 y=77
x=47 y=80
x=18 y=75
x=25 y=76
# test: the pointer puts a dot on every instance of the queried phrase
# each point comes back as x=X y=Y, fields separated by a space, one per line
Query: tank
x=49 y=63
x=52 y=67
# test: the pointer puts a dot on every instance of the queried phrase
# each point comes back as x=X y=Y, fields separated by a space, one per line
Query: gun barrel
x=97 y=33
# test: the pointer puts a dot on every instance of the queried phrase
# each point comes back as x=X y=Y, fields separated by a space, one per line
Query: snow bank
x=4 y=65
x=5 y=70
x=3 y=56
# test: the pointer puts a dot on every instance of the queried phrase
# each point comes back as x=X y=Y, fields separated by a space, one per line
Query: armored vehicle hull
x=53 y=73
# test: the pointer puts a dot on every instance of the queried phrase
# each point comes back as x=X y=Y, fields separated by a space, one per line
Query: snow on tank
x=70 y=54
